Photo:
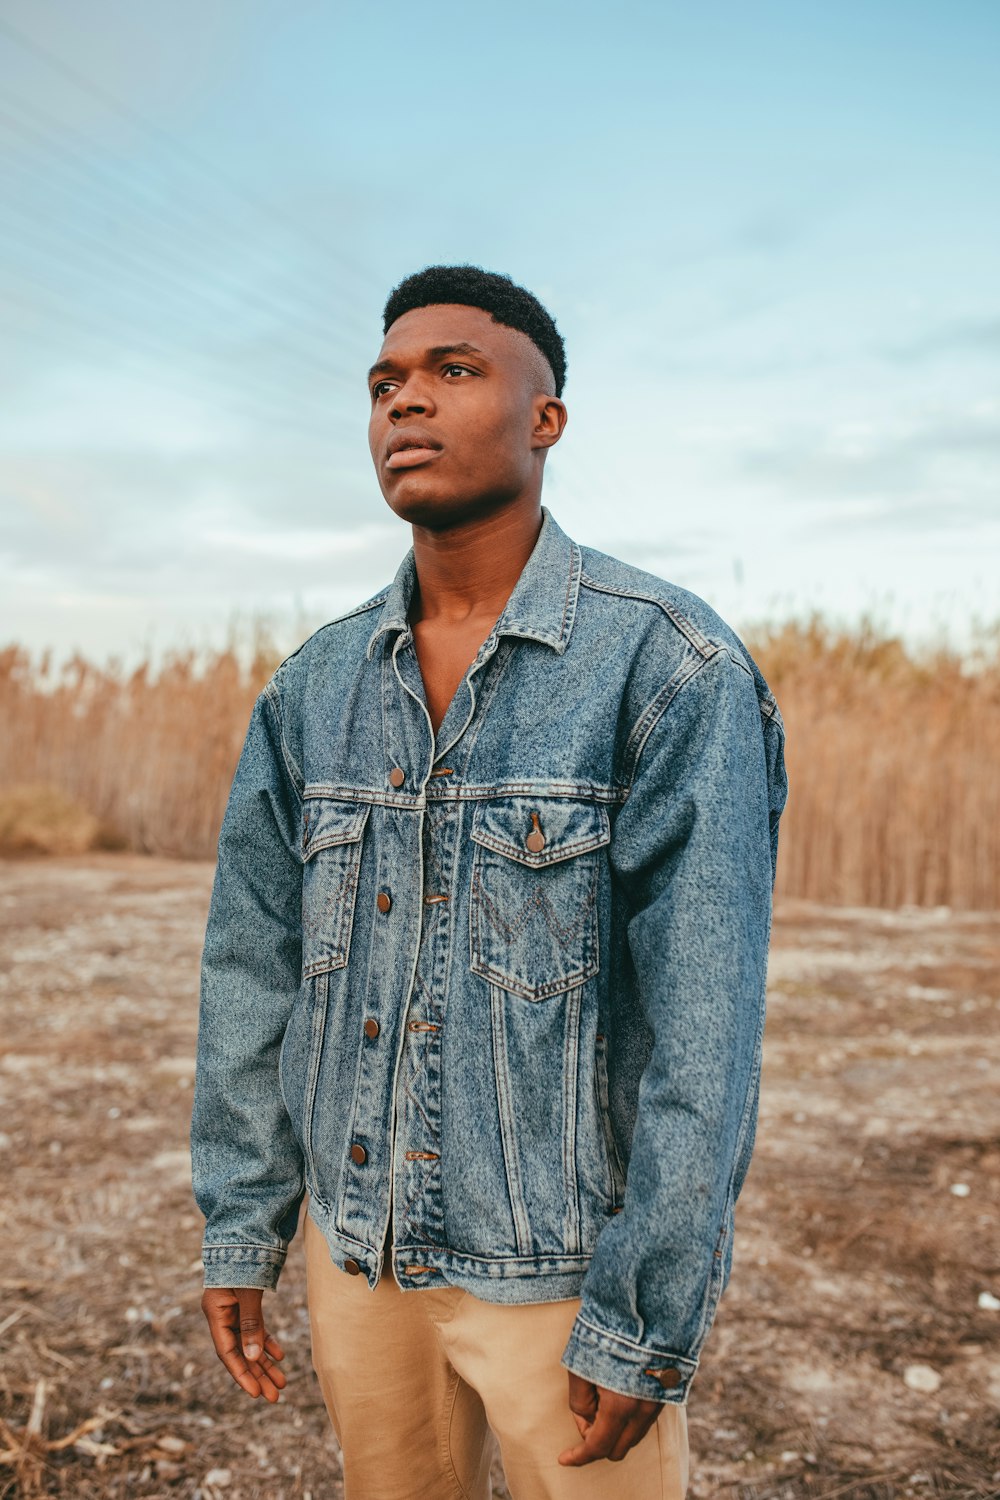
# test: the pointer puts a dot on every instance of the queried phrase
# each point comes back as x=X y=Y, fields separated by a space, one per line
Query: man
x=485 y=962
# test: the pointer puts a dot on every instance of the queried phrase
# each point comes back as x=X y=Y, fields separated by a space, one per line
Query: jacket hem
x=500 y=1278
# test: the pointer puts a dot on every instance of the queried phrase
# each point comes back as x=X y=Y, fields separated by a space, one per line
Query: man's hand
x=610 y=1423
x=248 y=1351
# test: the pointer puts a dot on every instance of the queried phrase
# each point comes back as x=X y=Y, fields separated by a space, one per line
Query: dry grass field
x=856 y=1355
x=892 y=759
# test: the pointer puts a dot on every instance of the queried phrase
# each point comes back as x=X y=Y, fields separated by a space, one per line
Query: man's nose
x=412 y=397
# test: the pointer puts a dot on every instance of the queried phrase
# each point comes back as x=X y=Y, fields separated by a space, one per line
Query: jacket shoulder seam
x=657 y=707
x=685 y=627
x=358 y=609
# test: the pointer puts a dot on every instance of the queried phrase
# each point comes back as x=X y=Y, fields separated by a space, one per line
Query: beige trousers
x=421 y=1385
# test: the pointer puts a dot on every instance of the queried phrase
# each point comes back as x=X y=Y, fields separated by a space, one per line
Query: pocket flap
x=567 y=827
x=327 y=821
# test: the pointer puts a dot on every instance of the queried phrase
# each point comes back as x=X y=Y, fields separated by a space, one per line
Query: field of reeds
x=893 y=759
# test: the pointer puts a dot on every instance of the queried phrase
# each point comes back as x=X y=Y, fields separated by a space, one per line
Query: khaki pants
x=420 y=1385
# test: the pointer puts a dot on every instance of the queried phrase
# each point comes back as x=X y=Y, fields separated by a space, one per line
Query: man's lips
x=408 y=458
x=406 y=449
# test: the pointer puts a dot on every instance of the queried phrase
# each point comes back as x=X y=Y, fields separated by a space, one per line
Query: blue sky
x=768 y=233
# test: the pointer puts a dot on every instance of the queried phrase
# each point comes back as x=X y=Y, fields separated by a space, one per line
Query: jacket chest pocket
x=331 y=850
x=533 y=919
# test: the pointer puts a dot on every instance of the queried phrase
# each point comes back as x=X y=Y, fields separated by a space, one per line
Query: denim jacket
x=506 y=980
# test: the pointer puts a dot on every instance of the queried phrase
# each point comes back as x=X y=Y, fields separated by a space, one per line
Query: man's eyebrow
x=439 y=351
x=381 y=368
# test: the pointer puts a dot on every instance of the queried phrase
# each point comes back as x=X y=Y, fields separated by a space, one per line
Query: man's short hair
x=502 y=298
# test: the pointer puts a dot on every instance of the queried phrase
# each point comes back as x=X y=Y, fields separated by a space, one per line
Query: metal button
x=359 y=1154
x=352 y=1268
x=383 y=900
x=397 y=776
x=371 y=1027
x=536 y=838
x=668 y=1378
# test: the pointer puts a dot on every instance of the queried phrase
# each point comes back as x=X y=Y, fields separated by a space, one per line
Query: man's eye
x=379 y=388
x=462 y=369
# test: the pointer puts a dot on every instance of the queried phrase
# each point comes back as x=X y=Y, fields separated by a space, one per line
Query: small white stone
x=988 y=1302
x=170 y=1443
x=789 y=1456
x=219 y=1477
x=922 y=1378
x=960 y=1189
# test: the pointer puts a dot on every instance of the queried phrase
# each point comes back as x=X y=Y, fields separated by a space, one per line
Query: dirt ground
x=856 y=1352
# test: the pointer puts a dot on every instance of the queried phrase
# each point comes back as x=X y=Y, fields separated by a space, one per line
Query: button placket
x=417 y=1170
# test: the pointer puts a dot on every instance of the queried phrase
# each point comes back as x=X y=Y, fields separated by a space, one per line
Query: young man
x=485 y=962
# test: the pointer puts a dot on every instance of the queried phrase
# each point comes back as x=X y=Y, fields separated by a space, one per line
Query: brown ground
x=856 y=1259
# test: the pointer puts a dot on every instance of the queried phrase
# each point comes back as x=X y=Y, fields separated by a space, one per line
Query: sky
x=769 y=235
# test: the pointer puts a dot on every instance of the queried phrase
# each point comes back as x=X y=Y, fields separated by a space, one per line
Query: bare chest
x=445 y=656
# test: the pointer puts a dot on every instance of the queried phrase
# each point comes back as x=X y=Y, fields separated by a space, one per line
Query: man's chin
x=424 y=504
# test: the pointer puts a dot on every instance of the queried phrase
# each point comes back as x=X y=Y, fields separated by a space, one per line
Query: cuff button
x=668 y=1378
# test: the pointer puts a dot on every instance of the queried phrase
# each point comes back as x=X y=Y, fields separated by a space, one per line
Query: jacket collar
x=542 y=603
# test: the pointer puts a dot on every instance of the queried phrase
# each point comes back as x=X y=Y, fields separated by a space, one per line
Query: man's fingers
x=582 y=1397
x=599 y=1440
x=634 y=1431
x=252 y=1333
x=235 y=1323
x=618 y=1424
x=271 y=1379
x=227 y=1347
x=582 y=1402
x=256 y=1343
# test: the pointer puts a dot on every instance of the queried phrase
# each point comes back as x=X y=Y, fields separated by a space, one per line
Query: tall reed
x=893 y=764
x=893 y=757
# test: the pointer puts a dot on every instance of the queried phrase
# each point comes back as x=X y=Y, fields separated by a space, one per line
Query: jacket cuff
x=243 y=1265
x=619 y=1365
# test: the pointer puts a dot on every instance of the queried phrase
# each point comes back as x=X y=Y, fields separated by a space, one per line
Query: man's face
x=462 y=412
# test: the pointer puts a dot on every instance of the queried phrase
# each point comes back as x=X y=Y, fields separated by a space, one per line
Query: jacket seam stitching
x=707 y=1308
x=655 y=709
x=359 y=609
x=243 y=1245
x=575 y=572
x=644 y=1349
x=295 y=775
x=677 y=618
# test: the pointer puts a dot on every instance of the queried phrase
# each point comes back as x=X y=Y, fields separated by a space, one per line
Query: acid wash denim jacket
x=506 y=981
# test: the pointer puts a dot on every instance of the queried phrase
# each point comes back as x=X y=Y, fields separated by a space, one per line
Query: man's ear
x=551 y=417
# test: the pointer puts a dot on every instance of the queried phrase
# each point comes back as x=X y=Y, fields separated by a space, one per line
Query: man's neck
x=466 y=573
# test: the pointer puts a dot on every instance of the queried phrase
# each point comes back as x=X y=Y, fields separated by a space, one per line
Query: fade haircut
x=502 y=298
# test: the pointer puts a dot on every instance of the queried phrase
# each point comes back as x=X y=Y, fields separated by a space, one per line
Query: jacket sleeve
x=695 y=851
x=247 y=1167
